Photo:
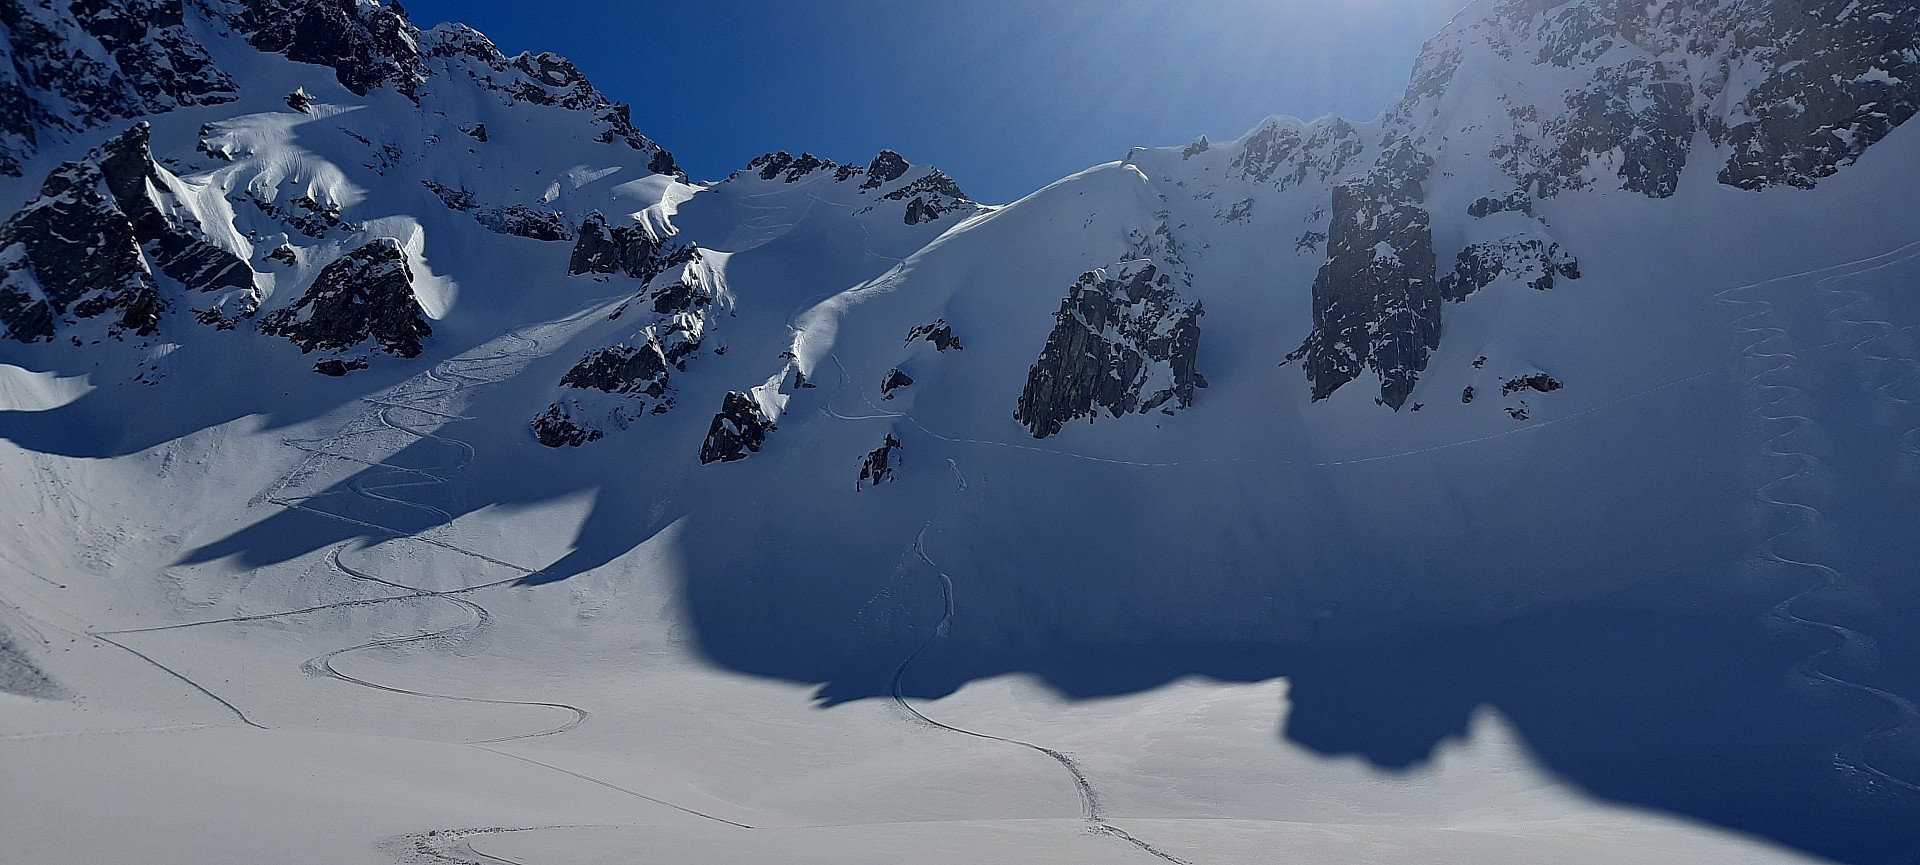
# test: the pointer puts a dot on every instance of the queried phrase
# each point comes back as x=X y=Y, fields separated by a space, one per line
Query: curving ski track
x=379 y=481
x=1771 y=347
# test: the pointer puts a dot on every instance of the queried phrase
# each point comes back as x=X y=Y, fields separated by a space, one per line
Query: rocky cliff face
x=82 y=65
x=1126 y=340
x=1608 y=95
x=90 y=245
x=365 y=295
x=1376 y=304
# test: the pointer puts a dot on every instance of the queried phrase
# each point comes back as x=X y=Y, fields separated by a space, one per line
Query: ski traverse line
x=478 y=614
x=1092 y=811
x=636 y=794
x=1778 y=409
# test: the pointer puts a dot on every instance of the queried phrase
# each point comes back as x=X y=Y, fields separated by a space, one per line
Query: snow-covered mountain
x=1609 y=317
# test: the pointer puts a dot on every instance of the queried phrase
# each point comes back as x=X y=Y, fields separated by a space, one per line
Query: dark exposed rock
x=177 y=242
x=1288 y=155
x=555 y=429
x=681 y=295
x=885 y=168
x=300 y=100
x=1311 y=241
x=1539 y=381
x=367 y=45
x=930 y=197
x=24 y=311
x=337 y=367
x=75 y=66
x=305 y=215
x=479 y=132
x=1844 y=75
x=1124 y=340
x=602 y=248
x=285 y=254
x=1466 y=395
x=366 y=294
x=738 y=430
x=517 y=220
x=787 y=167
x=1376 y=303
x=1538 y=262
x=1512 y=202
x=621 y=369
x=894 y=380
x=1200 y=145
x=75 y=253
x=877 y=467
x=938 y=333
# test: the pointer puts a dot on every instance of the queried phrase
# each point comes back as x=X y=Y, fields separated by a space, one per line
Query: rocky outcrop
x=89 y=245
x=931 y=197
x=1844 y=75
x=894 y=380
x=939 y=333
x=1538 y=382
x=621 y=369
x=632 y=249
x=1286 y=153
x=885 y=168
x=1536 y=262
x=622 y=382
x=1125 y=340
x=877 y=466
x=367 y=45
x=738 y=430
x=1376 y=303
x=76 y=66
x=366 y=294
x=177 y=242
x=518 y=220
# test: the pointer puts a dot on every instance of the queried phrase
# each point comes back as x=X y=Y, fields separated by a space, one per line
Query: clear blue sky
x=1006 y=95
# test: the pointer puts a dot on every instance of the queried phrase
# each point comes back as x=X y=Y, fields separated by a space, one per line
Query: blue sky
x=1006 y=95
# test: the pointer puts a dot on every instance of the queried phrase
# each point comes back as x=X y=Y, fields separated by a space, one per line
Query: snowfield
x=408 y=464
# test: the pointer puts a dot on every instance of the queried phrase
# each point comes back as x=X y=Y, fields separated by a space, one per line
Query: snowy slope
x=391 y=427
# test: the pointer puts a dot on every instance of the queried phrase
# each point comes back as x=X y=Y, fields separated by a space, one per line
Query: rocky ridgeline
x=79 y=65
x=1285 y=153
x=365 y=295
x=82 y=65
x=1126 y=339
x=88 y=248
x=927 y=197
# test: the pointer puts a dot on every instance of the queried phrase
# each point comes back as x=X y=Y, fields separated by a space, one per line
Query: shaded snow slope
x=1568 y=409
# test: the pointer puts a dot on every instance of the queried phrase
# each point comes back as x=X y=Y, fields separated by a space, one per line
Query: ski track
x=1092 y=810
x=1777 y=409
x=450 y=376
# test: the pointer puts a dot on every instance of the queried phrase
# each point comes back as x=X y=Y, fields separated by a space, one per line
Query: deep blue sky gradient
x=1006 y=95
